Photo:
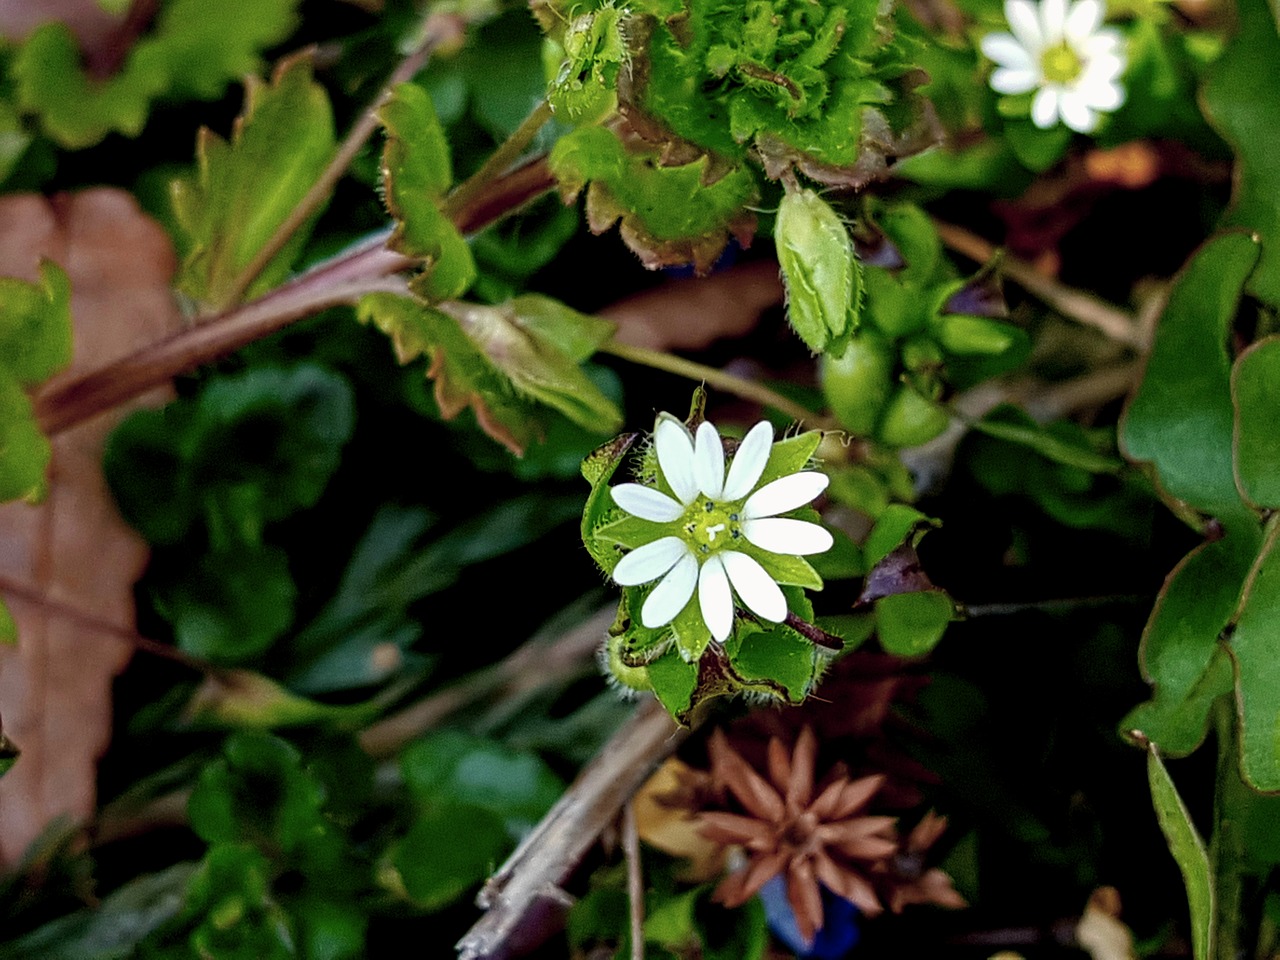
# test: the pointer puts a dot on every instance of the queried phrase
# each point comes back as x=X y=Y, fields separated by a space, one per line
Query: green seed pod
x=858 y=382
x=965 y=336
x=910 y=419
x=921 y=353
x=823 y=277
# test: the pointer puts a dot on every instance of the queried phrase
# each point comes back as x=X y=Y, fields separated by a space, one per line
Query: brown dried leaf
x=691 y=314
x=73 y=551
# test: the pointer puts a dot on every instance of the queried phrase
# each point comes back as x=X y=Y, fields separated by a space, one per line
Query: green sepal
x=690 y=631
x=244 y=189
x=674 y=681
x=823 y=277
x=416 y=171
x=790 y=455
x=785 y=569
x=598 y=469
x=777 y=655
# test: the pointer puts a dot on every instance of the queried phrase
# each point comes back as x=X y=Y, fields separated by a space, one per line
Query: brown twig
x=635 y=879
x=533 y=665
x=548 y=855
x=1075 y=304
x=439 y=28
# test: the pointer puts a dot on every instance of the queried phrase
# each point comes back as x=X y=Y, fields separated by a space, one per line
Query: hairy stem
x=1075 y=304
x=499 y=162
x=439 y=28
x=728 y=382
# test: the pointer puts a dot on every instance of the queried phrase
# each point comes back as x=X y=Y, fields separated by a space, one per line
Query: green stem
x=729 y=383
x=499 y=161
x=1226 y=852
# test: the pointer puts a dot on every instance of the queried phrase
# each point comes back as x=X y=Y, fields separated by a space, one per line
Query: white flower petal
x=650 y=561
x=646 y=502
x=1076 y=113
x=1004 y=49
x=785 y=493
x=749 y=462
x=708 y=461
x=1025 y=23
x=1102 y=96
x=1044 y=108
x=1083 y=19
x=1108 y=41
x=1102 y=69
x=675 y=456
x=715 y=599
x=1008 y=80
x=798 y=537
x=1053 y=21
x=756 y=588
x=669 y=597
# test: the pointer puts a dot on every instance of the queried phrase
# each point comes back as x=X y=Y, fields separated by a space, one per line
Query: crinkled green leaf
x=1251 y=62
x=1255 y=388
x=1180 y=418
x=502 y=361
x=416 y=171
x=779 y=655
x=911 y=624
x=585 y=87
x=1189 y=852
x=244 y=189
x=674 y=682
x=1180 y=653
x=669 y=215
x=194 y=51
x=1254 y=644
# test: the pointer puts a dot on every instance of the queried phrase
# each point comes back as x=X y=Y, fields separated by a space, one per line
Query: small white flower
x=714 y=512
x=1062 y=51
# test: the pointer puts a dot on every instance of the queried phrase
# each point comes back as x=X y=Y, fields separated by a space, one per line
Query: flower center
x=711 y=526
x=1060 y=64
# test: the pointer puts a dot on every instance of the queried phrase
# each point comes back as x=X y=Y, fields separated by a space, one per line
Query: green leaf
x=502 y=361
x=779 y=655
x=416 y=171
x=1180 y=653
x=674 y=681
x=244 y=190
x=457 y=768
x=1251 y=62
x=911 y=624
x=232 y=605
x=897 y=525
x=1189 y=852
x=448 y=850
x=598 y=469
x=1255 y=647
x=823 y=277
x=230 y=911
x=1255 y=391
x=1181 y=416
x=8 y=628
x=1011 y=424
x=257 y=792
x=669 y=215
x=194 y=51
x=790 y=455
x=24 y=451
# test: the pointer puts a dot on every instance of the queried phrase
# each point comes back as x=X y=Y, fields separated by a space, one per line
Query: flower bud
x=823 y=277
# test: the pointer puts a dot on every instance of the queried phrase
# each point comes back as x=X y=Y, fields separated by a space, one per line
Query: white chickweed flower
x=1062 y=51
x=714 y=517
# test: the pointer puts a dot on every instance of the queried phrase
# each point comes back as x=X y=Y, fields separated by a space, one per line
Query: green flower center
x=710 y=526
x=1060 y=64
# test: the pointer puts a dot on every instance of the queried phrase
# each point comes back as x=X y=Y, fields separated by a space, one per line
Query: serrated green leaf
x=1255 y=647
x=1181 y=419
x=585 y=86
x=244 y=189
x=502 y=361
x=1251 y=62
x=1255 y=392
x=194 y=51
x=823 y=277
x=1180 y=653
x=1189 y=852
x=416 y=171
x=911 y=624
x=669 y=215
